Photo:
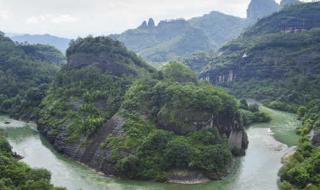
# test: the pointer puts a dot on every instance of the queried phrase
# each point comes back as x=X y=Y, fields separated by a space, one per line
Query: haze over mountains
x=172 y=39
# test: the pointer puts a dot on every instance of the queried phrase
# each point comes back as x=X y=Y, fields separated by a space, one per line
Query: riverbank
x=249 y=173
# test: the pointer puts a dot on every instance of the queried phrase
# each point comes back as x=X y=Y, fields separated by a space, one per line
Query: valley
x=207 y=102
x=264 y=151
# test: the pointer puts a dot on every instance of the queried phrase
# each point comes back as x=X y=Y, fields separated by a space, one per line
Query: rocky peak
x=261 y=8
x=151 y=23
x=146 y=25
x=285 y=3
x=143 y=25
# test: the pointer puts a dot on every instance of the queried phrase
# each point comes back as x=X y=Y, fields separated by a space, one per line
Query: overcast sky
x=71 y=18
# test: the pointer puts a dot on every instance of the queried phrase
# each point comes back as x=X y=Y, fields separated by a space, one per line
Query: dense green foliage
x=160 y=131
x=176 y=71
x=197 y=61
x=15 y=175
x=251 y=113
x=25 y=72
x=88 y=90
x=277 y=61
x=278 y=68
x=301 y=171
x=44 y=53
x=171 y=121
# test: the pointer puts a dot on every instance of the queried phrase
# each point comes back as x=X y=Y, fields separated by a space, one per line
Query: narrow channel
x=258 y=169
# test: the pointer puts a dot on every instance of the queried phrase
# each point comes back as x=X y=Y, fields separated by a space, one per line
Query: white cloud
x=48 y=18
x=4 y=15
x=102 y=17
x=64 y=19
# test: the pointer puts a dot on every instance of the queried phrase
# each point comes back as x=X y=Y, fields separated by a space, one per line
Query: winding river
x=257 y=170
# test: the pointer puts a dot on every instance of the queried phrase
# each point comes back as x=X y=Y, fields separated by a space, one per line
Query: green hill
x=277 y=61
x=178 y=38
x=269 y=63
x=108 y=109
x=25 y=72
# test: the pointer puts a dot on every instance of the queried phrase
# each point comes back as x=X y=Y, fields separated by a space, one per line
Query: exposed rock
x=144 y=25
x=92 y=154
x=187 y=177
x=151 y=23
x=316 y=138
x=238 y=142
x=286 y=3
x=285 y=159
x=261 y=8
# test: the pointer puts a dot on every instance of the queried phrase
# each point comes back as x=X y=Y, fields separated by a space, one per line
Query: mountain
x=110 y=110
x=286 y=3
x=179 y=38
x=274 y=59
x=277 y=61
x=259 y=9
x=45 y=39
x=25 y=72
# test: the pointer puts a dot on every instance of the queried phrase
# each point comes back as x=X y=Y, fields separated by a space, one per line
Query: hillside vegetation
x=111 y=111
x=15 y=175
x=25 y=72
x=278 y=67
x=277 y=61
x=178 y=38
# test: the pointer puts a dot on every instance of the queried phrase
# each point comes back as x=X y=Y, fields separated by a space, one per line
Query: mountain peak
x=151 y=23
x=261 y=8
x=285 y=3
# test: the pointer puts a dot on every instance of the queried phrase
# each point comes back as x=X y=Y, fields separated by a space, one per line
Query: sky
x=72 y=18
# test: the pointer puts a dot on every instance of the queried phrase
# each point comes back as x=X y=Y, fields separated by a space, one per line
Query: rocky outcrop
x=238 y=142
x=187 y=177
x=91 y=151
x=259 y=9
x=316 y=137
x=286 y=3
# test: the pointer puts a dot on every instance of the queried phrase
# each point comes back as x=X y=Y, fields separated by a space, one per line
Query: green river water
x=255 y=171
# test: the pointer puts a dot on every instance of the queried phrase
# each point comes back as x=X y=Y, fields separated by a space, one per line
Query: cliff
x=276 y=59
x=259 y=9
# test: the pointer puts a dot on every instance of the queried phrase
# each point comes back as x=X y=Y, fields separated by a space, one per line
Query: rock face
x=92 y=154
x=261 y=8
x=252 y=65
x=285 y=3
x=238 y=142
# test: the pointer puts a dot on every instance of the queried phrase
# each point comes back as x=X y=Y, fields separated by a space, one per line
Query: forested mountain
x=178 y=38
x=25 y=72
x=110 y=110
x=277 y=61
x=46 y=39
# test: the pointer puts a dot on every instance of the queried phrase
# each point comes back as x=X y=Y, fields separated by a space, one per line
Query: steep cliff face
x=111 y=111
x=276 y=58
x=259 y=9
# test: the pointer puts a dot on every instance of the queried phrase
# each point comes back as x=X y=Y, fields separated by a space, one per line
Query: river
x=257 y=170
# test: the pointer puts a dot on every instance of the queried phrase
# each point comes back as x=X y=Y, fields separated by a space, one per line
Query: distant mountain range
x=172 y=39
x=46 y=39
x=180 y=38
